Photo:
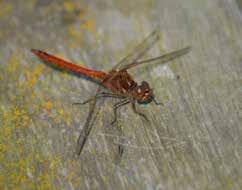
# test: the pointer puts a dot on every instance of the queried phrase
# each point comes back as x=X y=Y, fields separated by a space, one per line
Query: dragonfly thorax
x=143 y=93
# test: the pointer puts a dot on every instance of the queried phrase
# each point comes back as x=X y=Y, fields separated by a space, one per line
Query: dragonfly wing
x=161 y=59
x=88 y=124
x=139 y=50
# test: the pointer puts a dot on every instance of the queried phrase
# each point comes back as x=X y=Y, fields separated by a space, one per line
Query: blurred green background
x=193 y=142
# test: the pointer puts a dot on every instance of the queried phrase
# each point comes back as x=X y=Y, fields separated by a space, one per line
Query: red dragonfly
x=118 y=81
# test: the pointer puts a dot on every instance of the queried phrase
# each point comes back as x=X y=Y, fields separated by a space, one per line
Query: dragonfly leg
x=118 y=105
x=82 y=103
x=100 y=95
x=157 y=103
x=139 y=113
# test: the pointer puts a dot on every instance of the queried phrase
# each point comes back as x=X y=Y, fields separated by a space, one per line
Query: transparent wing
x=161 y=59
x=139 y=50
x=84 y=134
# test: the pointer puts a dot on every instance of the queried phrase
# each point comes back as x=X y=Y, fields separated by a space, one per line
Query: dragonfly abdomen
x=62 y=64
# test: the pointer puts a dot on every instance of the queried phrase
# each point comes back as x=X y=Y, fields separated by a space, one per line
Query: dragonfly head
x=144 y=93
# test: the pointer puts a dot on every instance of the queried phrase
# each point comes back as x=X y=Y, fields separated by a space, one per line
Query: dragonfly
x=118 y=81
